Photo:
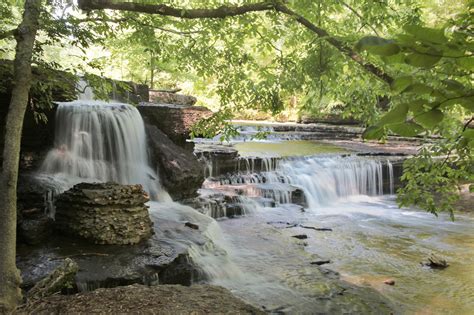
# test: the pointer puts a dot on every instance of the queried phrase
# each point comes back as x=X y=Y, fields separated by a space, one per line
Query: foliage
x=432 y=94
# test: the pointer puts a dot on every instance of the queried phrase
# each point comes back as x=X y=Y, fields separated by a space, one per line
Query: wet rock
x=435 y=262
x=301 y=236
x=35 y=229
x=192 y=225
x=180 y=172
x=104 y=213
x=163 y=97
x=233 y=210
x=174 y=120
x=217 y=159
x=31 y=193
x=163 y=259
x=316 y=229
x=298 y=197
x=320 y=262
x=389 y=282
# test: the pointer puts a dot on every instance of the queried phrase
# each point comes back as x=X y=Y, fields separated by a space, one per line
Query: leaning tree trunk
x=10 y=280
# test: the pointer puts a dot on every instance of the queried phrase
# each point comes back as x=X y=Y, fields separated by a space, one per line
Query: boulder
x=164 y=97
x=104 y=213
x=175 y=121
x=180 y=171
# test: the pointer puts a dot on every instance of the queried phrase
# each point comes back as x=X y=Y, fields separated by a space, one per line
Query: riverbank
x=141 y=299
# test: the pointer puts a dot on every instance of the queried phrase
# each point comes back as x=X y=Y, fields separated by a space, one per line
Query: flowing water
x=256 y=255
x=99 y=141
x=372 y=240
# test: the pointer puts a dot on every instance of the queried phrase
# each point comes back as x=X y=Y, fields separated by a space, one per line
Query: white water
x=323 y=180
x=99 y=141
x=372 y=239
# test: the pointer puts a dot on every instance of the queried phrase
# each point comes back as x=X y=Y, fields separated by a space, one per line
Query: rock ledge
x=105 y=213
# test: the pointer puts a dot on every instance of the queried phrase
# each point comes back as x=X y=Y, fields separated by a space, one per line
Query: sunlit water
x=287 y=148
x=371 y=241
x=256 y=256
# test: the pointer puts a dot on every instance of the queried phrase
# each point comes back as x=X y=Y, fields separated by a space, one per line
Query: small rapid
x=348 y=221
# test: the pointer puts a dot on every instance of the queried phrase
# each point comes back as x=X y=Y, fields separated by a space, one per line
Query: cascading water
x=323 y=180
x=99 y=141
x=369 y=240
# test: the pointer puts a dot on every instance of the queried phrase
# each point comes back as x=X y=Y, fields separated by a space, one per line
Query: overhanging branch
x=228 y=11
x=339 y=45
x=163 y=9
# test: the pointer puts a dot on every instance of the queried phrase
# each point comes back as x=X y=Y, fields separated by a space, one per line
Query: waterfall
x=322 y=179
x=327 y=179
x=98 y=141
x=390 y=175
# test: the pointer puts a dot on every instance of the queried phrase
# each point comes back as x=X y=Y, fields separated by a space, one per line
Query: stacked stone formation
x=105 y=213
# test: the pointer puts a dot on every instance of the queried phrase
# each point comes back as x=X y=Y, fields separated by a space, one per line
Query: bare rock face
x=175 y=121
x=180 y=171
x=105 y=213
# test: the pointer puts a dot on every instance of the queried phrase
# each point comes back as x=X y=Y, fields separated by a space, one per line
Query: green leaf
x=397 y=115
x=394 y=59
x=466 y=102
x=468 y=133
x=453 y=85
x=430 y=119
x=373 y=132
x=421 y=60
x=401 y=83
x=378 y=46
x=419 y=88
x=466 y=63
x=417 y=106
x=406 y=129
x=428 y=34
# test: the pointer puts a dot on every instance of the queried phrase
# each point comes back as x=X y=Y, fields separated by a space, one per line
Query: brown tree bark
x=228 y=11
x=10 y=294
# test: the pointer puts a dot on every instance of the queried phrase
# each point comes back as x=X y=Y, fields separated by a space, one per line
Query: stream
x=369 y=238
x=314 y=228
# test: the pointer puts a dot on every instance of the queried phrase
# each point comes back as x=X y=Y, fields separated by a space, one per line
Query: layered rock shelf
x=105 y=213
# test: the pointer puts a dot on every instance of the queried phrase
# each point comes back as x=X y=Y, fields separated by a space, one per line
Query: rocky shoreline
x=141 y=299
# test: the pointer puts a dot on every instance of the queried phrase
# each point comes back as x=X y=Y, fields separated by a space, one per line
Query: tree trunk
x=10 y=294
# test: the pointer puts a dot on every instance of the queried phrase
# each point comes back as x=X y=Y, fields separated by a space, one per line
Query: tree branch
x=339 y=45
x=228 y=11
x=359 y=16
x=121 y=20
x=163 y=9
